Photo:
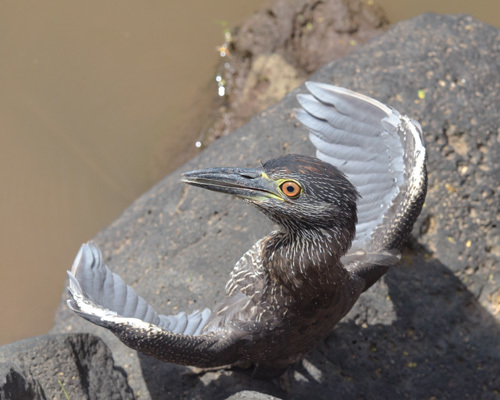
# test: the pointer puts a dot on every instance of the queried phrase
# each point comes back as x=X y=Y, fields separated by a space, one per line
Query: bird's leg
x=284 y=381
x=261 y=371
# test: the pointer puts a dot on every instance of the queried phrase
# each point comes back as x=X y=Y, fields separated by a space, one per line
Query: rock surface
x=279 y=46
x=430 y=328
x=53 y=366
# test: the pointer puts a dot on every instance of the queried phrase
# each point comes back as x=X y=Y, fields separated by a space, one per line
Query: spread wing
x=97 y=294
x=202 y=338
x=383 y=154
x=100 y=296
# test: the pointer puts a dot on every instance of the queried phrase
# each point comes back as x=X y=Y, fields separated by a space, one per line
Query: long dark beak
x=248 y=183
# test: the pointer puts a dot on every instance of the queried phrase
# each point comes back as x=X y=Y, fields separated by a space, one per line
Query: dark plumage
x=337 y=235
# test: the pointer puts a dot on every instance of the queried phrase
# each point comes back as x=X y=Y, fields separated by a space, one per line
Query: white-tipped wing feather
x=381 y=152
x=99 y=295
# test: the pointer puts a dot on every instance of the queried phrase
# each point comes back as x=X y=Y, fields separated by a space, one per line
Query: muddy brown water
x=98 y=101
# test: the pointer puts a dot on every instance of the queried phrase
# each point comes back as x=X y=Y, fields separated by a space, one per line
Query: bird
x=341 y=216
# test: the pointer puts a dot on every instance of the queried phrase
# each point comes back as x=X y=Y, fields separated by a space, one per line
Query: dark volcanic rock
x=249 y=395
x=278 y=47
x=15 y=384
x=45 y=367
x=430 y=328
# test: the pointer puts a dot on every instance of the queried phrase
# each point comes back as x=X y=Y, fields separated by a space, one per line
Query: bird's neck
x=306 y=262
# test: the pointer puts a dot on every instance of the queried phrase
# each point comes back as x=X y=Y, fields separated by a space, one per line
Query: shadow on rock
x=427 y=338
x=436 y=347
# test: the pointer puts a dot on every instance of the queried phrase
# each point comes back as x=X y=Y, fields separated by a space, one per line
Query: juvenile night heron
x=338 y=232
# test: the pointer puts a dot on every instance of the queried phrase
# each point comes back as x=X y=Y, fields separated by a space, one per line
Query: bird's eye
x=291 y=189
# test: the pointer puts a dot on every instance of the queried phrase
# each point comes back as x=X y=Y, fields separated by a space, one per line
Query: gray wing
x=98 y=295
x=101 y=297
x=382 y=153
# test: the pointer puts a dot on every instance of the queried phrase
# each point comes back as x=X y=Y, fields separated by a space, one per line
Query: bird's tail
x=102 y=297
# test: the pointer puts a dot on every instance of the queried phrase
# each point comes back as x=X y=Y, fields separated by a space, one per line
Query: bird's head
x=297 y=192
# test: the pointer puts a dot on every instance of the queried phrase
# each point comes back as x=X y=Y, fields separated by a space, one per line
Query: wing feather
x=96 y=294
x=382 y=153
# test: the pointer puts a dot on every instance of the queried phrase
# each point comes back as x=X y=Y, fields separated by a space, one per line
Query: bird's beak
x=249 y=183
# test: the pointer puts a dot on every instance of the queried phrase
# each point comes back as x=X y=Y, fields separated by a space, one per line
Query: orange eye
x=291 y=189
